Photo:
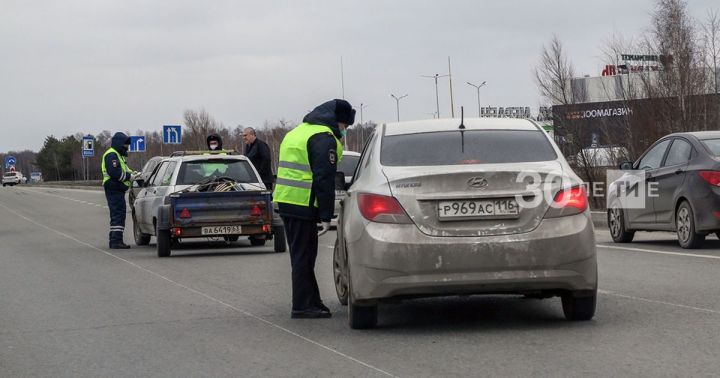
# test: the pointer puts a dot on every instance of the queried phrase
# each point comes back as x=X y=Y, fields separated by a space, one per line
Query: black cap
x=344 y=112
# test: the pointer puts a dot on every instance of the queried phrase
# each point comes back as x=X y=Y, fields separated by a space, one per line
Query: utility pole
x=452 y=103
x=397 y=103
x=478 y=92
x=437 y=98
x=342 y=77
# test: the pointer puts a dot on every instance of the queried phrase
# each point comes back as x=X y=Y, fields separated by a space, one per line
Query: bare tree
x=553 y=74
x=198 y=125
x=711 y=44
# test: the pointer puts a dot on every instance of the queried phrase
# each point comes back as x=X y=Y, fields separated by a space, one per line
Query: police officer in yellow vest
x=116 y=181
x=305 y=193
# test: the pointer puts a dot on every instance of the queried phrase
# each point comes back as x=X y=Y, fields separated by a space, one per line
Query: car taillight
x=266 y=228
x=256 y=212
x=381 y=209
x=712 y=177
x=185 y=213
x=569 y=201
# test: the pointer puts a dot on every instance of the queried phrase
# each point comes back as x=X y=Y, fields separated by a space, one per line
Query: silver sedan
x=444 y=207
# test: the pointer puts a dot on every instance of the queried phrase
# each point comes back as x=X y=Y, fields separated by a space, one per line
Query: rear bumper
x=196 y=231
x=706 y=206
x=399 y=261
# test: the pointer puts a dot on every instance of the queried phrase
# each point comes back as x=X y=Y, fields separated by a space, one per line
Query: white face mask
x=213 y=146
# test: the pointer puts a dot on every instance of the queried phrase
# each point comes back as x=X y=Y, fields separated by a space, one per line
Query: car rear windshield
x=348 y=164
x=193 y=172
x=468 y=147
x=713 y=145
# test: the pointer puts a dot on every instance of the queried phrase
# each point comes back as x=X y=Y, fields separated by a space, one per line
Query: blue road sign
x=10 y=161
x=137 y=144
x=88 y=146
x=172 y=134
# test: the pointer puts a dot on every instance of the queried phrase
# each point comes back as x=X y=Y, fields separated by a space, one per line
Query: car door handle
x=679 y=171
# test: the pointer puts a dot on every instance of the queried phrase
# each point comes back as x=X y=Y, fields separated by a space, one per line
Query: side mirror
x=340 y=181
x=139 y=183
x=626 y=166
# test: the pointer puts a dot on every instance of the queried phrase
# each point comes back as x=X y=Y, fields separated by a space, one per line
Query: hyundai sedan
x=446 y=207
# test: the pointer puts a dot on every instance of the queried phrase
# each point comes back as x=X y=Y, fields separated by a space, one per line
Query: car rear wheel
x=140 y=237
x=579 y=307
x=685 y=224
x=359 y=316
x=280 y=245
x=163 y=243
x=339 y=269
x=616 y=224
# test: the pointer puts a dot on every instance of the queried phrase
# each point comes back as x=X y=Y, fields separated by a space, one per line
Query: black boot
x=119 y=245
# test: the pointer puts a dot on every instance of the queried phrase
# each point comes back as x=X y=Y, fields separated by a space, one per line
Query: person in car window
x=116 y=181
x=214 y=143
x=305 y=193
x=259 y=154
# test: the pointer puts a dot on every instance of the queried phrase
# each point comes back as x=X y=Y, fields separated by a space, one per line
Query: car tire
x=140 y=237
x=360 y=317
x=580 y=308
x=685 y=226
x=256 y=242
x=279 y=242
x=339 y=275
x=163 y=243
x=616 y=224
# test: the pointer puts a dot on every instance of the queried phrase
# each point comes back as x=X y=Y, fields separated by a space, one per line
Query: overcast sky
x=87 y=66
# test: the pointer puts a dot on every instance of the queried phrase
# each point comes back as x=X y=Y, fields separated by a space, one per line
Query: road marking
x=659 y=302
x=207 y=296
x=658 y=252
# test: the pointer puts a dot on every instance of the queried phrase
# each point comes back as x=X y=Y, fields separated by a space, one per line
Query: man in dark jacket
x=116 y=181
x=305 y=193
x=259 y=154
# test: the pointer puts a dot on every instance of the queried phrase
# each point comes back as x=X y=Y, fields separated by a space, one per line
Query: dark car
x=682 y=171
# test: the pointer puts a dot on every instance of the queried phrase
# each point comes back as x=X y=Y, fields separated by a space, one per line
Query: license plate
x=221 y=230
x=496 y=208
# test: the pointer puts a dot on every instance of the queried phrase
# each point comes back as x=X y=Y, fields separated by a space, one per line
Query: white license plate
x=221 y=230
x=501 y=207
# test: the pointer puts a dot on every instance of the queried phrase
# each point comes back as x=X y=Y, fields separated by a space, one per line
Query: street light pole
x=437 y=97
x=397 y=103
x=478 y=93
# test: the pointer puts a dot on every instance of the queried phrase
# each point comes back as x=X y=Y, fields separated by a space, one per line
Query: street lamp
x=362 y=128
x=397 y=103
x=478 y=93
x=437 y=98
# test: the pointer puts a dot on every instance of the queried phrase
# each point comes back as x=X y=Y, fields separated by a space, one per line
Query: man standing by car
x=259 y=154
x=116 y=181
x=305 y=193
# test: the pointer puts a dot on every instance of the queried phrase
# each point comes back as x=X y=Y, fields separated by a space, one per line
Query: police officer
x=116 y=181
x=214 y=142
x=259 y=154
x=305 y=193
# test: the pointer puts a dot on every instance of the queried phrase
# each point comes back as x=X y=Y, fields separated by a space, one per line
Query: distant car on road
x=13 y=178
x=440 y=207
x=685 y=169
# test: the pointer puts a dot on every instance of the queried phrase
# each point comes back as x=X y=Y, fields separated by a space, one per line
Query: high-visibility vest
x=294 y=177
x=210 y=168
x=125 y=169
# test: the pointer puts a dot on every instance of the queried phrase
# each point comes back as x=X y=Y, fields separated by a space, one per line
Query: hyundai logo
x=477 y=182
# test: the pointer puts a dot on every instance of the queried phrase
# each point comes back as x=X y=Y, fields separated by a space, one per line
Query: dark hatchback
x=684 y=171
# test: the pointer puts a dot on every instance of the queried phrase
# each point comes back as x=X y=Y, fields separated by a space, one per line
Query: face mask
x=213 y=146
x=343 y=133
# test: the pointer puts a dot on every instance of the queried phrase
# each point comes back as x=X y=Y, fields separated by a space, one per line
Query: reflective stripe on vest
x=123 y=166
x=294 y=177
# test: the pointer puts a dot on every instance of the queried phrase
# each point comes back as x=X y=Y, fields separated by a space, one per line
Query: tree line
x=61 y=159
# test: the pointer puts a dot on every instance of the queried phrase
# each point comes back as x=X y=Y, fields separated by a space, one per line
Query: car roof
x=700 y=134
x=450 y=124
x=351 y=153
x=207 y=157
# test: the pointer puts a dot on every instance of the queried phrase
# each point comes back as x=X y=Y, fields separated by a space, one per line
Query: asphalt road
x=71 y=308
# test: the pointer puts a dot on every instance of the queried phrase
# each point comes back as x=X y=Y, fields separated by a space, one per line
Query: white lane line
x=658 y=302
x=658 y=252
x=216 y=300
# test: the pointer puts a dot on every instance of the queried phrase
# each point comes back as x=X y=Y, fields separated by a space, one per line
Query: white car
x=13 y=178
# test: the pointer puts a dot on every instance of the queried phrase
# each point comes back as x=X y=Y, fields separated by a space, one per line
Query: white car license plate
x=501 y=207
x=221 y=230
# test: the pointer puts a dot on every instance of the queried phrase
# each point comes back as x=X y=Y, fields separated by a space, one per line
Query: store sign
x=599 y=113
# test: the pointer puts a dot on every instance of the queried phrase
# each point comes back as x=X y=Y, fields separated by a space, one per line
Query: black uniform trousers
x=116 y=204
x=303 y=241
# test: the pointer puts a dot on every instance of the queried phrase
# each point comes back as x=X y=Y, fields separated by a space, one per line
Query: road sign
x=10 y=161
x=137 y=144
x=88 y=146
x=172 y=134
